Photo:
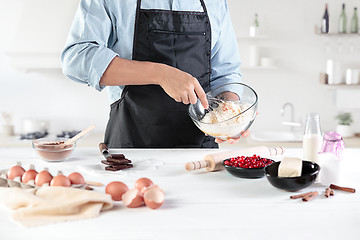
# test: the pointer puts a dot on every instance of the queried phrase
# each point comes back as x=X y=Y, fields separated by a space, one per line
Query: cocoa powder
x=51 y=151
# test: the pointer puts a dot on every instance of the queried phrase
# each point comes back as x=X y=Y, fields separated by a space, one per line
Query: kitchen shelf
x=342 y=86
x=258 y=68
x=339 y=34
x=252 y=38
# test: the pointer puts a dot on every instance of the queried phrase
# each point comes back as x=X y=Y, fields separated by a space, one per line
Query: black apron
x=145 y=116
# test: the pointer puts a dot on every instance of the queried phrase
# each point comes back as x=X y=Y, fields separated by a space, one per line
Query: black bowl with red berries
x=247 y=166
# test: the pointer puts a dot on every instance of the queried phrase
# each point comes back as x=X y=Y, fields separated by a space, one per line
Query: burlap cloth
x=34 y=207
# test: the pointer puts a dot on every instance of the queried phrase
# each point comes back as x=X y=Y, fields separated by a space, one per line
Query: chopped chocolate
x=118 y=167
x=115 y=163
x=118 y=161
x=117 y=156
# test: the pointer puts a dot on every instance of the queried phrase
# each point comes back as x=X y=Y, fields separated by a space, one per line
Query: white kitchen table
x=198 y=205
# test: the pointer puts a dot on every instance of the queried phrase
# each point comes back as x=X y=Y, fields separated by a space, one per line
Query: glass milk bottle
x=312 y=139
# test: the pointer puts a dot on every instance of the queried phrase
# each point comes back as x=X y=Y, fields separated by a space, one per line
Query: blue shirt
x=103 y=29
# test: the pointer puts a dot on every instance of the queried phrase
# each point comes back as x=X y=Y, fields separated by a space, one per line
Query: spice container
x=330 y=158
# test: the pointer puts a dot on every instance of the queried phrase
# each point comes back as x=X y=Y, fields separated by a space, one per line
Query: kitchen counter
x=198 y=205
x=94 y=138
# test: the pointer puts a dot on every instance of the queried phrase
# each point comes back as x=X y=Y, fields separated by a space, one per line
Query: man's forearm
x=128 y=72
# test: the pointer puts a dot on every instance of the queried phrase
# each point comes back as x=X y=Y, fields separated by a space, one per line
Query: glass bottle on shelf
x=325 y=21
x=342 y=20
x=256 y=21
x=312 y=140
x=254 y=28
x=354 y=27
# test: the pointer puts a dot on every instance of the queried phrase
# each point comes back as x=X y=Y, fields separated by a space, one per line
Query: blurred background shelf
x=339 y=34
x=342 y=86
x=258 y=68
x=252 y=38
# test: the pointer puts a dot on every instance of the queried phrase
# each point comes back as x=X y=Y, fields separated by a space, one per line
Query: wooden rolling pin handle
x=191 y=166
x=103 y=148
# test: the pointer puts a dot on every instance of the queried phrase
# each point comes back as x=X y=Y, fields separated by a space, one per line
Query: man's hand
x=179 y=85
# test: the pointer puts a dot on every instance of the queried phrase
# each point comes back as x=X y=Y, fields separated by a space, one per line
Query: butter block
x=290 y=167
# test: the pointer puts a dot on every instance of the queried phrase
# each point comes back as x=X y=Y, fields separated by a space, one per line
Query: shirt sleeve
x=225 y=61
x=86 y=54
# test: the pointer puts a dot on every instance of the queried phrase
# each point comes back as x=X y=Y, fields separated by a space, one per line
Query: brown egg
x=60 y=180
x=132 y=198
x=43 y=177
x=76 y=178
x=15 y=171
x=29 y=175
x=154 y=197
x=116 y=190
x=143 y=183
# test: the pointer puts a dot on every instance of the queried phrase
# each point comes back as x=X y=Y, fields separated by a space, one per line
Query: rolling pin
x=213 y=162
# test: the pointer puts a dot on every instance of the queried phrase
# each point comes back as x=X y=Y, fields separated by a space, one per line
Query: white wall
x=33 y=29
x=299 y=53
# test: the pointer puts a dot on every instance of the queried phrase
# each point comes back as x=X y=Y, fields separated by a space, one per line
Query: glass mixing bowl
x=232 y=110
x=48 y=149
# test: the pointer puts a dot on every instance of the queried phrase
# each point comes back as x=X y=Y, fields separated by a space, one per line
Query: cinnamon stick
x=345 y=189
x=311 y=196
x=301 y=195
x=327 y=192
x=332 y=192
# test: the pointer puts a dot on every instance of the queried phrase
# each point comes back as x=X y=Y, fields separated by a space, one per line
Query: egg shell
x=29 y=175
x=154 y=197
x=60 y=180
x=132 y=198
x=15 y=171
x=143 y=183
x=116 y=190
x=43 y=177
x=76 y=178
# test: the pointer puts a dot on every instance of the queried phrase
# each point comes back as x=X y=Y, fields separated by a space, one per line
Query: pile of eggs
x=144 y=192
x=43 y=178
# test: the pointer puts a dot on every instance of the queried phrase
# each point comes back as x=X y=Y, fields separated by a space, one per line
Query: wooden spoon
x=77 y=136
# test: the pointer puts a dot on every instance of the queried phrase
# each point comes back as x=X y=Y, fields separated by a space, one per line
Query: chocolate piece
x=122 y=162
x=118 y=167
x=117 y=156
x=118 y=161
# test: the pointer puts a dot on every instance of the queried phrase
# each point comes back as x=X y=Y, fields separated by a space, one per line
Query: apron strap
x=203 y=6
x=138 y=6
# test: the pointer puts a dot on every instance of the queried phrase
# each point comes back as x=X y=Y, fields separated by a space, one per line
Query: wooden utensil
x=77 y=136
